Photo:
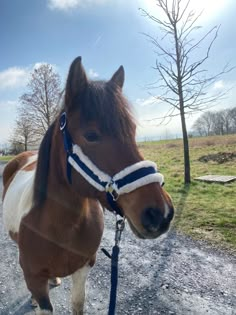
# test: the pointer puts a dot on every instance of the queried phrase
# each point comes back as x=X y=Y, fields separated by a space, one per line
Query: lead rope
x=120 y=225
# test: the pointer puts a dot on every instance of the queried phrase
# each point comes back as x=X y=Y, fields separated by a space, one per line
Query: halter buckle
x=110 y=190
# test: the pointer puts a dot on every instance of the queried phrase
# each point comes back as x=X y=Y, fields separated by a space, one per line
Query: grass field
x=5 y=158
x=203 y=210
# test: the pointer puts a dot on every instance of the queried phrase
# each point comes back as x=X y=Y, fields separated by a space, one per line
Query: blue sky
x=106 y=33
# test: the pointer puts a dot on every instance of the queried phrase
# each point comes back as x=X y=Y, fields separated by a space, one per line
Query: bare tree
x=204 y=124
x=199 y=128
x=23 y=134
x=233 y=120
x=183 y=82
x=41 y=101
x=216 y=123
x=223 y=122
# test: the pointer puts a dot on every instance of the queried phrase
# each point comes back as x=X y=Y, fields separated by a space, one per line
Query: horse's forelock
x=105 y=104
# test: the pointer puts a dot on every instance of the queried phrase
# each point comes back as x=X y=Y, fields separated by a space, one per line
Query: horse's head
x=104 y=158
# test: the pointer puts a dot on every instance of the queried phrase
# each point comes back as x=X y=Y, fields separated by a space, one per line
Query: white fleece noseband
x=123 y=182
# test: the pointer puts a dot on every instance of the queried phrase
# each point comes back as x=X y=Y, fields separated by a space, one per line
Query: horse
x=88 y=160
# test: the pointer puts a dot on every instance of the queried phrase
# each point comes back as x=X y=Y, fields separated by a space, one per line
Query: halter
x=125 y=181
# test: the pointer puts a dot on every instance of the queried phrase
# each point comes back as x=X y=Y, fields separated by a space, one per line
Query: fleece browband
x=125 y=181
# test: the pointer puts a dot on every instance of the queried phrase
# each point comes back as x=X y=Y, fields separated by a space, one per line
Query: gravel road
x=172 y=275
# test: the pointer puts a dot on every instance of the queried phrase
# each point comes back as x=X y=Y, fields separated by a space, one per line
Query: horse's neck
x=74 y=221
x=59 y=189
x=79 y=219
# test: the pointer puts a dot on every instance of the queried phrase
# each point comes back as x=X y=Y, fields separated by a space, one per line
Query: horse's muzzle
x=155 y=223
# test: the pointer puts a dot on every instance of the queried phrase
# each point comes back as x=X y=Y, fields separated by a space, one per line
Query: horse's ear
x=76 y=81
x=119 y=77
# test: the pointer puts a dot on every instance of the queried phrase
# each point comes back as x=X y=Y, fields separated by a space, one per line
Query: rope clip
x=120 y=225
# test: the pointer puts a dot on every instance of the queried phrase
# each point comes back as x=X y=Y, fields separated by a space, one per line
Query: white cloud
x=210 y=9
x=39 y=64
x=8 y=105
x=13 y=83
x=63 y=4
x=8 y=111
x=150 y=112
x=17 y=77
x=219 y=85
x=149 y=108
x=13 y=78
x=66 y=5
x=93 y=74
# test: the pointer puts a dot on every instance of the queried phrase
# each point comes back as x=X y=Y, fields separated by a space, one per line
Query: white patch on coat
x=55 y=282
x=78 y=289
x=18 y=198
x=30 y=160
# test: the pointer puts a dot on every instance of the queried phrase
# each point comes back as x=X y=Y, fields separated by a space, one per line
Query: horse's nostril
x=152 y=218
x=170 y=214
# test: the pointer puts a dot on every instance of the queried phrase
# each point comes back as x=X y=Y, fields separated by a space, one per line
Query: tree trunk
x=187 y=176
x=26 y=144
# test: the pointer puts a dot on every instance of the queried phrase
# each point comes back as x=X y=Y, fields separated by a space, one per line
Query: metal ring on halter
x=110 y=189
x=63 y=121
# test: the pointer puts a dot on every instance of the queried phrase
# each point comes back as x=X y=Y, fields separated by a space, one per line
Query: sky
x=107 y=34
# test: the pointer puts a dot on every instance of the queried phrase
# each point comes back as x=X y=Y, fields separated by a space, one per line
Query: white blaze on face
x=166 y=208
x=18 y=198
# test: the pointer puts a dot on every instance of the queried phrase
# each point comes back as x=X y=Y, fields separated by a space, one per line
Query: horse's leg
x=38 y=286
x=78 y=289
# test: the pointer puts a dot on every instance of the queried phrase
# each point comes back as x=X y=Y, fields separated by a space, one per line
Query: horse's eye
x=92 y=136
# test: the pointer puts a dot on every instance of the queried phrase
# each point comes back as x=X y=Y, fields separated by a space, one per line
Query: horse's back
x=18 y=180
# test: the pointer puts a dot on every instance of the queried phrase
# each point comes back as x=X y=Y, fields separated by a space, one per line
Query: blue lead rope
x=120 y=225
x=114 y=279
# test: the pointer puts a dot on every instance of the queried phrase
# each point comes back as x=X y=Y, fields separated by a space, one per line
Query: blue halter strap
x=125 y=181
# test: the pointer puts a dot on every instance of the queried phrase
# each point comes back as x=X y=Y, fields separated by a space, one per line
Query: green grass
x=204 y=211
x=5 y=158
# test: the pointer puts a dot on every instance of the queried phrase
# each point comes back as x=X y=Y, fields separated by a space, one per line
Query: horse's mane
x=42 y=170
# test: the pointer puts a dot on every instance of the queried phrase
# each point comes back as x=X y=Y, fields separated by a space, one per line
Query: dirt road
x=171 y=275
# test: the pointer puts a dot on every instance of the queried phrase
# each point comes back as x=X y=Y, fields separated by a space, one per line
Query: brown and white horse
x=52 y=201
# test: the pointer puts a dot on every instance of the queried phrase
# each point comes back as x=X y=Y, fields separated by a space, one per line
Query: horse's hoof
x=54 y=282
